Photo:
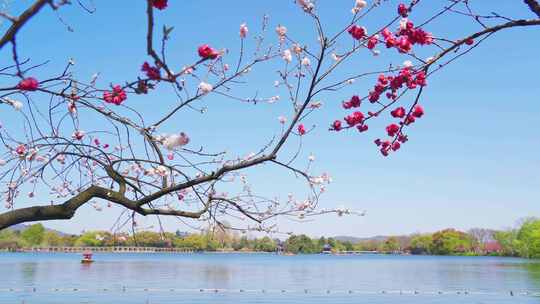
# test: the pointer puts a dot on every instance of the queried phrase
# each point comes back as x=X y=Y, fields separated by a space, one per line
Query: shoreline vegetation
x=523 y=241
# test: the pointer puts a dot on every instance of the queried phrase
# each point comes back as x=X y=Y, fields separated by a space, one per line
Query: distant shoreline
x=121 y=250
x=158 y=250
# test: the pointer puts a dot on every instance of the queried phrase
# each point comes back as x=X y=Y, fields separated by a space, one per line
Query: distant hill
x=18 y=227
x=21 y=227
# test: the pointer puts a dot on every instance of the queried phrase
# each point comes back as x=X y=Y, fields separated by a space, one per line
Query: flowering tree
x=130 y=163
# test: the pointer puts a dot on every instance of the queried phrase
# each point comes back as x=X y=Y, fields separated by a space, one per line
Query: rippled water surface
x=37 y=278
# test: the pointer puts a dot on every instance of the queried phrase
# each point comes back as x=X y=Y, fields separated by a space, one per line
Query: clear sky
x=473 y=161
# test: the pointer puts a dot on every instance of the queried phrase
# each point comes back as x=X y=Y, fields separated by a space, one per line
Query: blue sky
x=473 y=160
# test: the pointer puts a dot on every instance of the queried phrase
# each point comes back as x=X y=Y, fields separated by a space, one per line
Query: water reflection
x=217 y=275
x=533 y=270
x=270 y=272
x=28 y=273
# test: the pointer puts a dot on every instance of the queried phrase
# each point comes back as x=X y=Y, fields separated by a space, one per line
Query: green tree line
x=523 y=241
x=37 y=236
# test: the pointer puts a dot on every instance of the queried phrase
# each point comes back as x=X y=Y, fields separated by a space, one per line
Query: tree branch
x=19 y=22
x=534 y=6
x=54 y=212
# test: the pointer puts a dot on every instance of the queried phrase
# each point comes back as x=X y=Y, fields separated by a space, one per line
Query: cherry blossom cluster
x=116 y=96
x=391 y=86
x=393 y=83
x=406 y=37
x=152 y=72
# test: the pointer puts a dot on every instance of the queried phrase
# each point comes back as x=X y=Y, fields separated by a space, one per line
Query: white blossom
x=359 y=5
x=306 y=5
x=273 y=99
x=161 y=171
x=297 y=49
x=403 y=23
x=205 y=87
x=17 y=105
x=287 y=55
x=171 y=142
x=281 y=31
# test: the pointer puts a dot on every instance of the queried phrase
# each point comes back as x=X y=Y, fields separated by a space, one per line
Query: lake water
x=38 y=278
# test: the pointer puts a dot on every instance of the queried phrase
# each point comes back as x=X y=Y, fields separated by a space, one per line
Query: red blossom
x=374 y=97
x=386 y=33
x=357 y=32
x=398 y=112
x=382 y=79
x=372 y=42
x=301 y=129
x=395 y=146
x=391 y=42
x=20 y=150
x=385 y=147
x=404 y=44
x=409 y=120
x=354 y=119
x=418 y=111
x=421 y=78
x=354 y=102
x=206 y=52
x=402 y=138
x=152 y=72
x=469 y=41
x=28 y=84
x=419 y=36
x=402 y=10
x=336 y=126
x=362 y=128
x=159 y=4
x=392 y=129
x=116 y=96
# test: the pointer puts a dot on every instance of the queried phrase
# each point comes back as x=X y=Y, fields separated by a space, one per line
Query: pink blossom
x=243 y=30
